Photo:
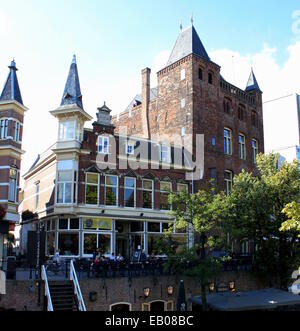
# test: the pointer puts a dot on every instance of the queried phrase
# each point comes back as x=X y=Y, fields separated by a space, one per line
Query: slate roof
x=252 y=83
x=11 y=90
x=72 y=93
x=137 y=100
x=188 y=42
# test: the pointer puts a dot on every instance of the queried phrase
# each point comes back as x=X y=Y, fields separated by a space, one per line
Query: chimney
x=145 y=101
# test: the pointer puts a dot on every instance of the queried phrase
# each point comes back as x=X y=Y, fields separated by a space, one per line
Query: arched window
x=227 y=141
x=254 y=120
x=200 y=73
x=241 y=113
x=120 y=306
x=242 y=147
x=210 y=78
x=228 y=176
x=254 y=150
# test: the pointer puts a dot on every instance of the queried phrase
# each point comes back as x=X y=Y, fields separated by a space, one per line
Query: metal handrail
x=77 y=290
x=47 y=290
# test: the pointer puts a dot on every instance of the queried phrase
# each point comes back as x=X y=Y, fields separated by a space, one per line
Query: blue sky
x=115 y=40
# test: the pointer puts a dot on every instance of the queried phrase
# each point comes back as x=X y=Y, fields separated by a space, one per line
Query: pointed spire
x=252 y=83
x=72 y=92
x=11 y=90
x=188 y=42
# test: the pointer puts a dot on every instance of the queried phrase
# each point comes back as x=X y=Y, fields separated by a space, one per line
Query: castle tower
x=12 y=113
x=71 y=119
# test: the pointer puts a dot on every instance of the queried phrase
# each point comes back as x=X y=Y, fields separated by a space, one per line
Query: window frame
x=228 y=190
x=130 y=188
x=226 y=140
x=102 y=145
x=255 y=149
x=129 y=145
x=71 y=167
x=92 y=184
x=13 y=185
x=112 y=186
x=148 y=190
x=242 y=147
x=168 y=151
x=161 y=192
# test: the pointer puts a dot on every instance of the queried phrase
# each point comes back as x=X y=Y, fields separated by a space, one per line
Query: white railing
x=47 y=290
x=77 y=290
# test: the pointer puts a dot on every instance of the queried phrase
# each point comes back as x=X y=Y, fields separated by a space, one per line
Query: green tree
x=201 y=214
x=254 y=212
x=292 y=212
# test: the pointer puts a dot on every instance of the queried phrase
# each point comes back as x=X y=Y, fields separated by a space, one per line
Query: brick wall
x=115 y=290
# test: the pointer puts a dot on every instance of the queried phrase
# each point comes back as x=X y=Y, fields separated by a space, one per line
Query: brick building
x=193 y=98
x=85 y=199
x=11 y=129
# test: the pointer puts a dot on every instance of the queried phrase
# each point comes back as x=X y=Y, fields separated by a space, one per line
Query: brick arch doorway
x=120 y=307
x=157 y=306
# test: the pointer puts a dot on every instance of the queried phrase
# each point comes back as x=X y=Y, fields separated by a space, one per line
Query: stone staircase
x=62 y=295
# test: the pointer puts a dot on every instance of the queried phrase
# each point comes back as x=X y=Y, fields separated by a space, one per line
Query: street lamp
x=170 y=290
x=146 y=292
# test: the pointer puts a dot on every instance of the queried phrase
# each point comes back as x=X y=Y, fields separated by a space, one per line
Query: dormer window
x=165 y=154
x=103 y=145
x=129 y=149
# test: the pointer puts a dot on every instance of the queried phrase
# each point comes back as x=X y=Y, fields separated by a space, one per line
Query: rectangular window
x=254 y=149
x=111 y=190
x=165 y=154
x=91 y=191
x=213 y=141
x=129 y=192
x=165 y=190
x=182 y=188
x=254 y=118
x=242 y=147
x=103 y=145
x=182 y=103
x=153 y=227
x=68 y=243
x=129 y=149
x=67 y=130
x=228 y=181
x=64 y=186
x=66 y=181
x=213 y=177
x=17 y=132
x=227 y=141
x=37 y=188
x=13 y=180
x=241 y=113
x=136 y=226
x=182 y=74
x=3 y=129
x=148 y=194
x=200 y=74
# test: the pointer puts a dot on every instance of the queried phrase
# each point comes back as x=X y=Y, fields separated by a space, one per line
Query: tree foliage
x=254 y=212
